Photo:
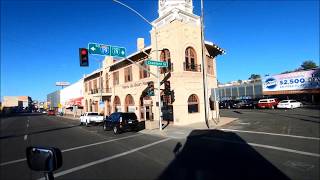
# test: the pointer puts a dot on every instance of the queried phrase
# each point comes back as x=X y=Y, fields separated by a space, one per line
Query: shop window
x=193 y=104
x=128 y=74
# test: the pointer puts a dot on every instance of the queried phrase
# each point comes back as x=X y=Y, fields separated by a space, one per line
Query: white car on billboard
x=289 y=104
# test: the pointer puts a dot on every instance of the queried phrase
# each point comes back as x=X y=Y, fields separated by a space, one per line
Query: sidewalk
x=180 y=132
x=71 y=117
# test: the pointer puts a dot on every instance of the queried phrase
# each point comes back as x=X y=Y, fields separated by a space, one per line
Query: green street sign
x=106 y=50
x=99 y=49
x=118 y=51
x=157 y=63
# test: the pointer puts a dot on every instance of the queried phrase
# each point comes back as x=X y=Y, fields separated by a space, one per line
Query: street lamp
x=156 y=44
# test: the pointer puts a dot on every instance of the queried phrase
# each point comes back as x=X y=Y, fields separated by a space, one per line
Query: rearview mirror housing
x=44 y=159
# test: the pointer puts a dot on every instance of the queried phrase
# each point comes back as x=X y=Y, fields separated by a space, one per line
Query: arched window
x=190 y=63
x=129 y=104
x=165 y=56
x=117 y=104
x=193 y=104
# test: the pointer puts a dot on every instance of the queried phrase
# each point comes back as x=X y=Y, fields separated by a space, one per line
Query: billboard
x=62 y=83
x=73 y=94
x=292 y=81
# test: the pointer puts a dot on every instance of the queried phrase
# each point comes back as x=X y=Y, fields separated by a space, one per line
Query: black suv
x=120 y=121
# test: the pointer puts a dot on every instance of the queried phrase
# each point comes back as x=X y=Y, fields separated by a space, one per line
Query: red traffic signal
x=84 y=51
x=84 y=57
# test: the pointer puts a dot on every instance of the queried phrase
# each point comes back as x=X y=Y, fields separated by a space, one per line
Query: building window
x=190 y=63
x=142 y=72
x=210 y=69
x=100 y=82
x=86 y=87
x=193 y=104
x=128 y=74
x=107 y=83
x=165 y=56
x=116 y=78
x=90 y=85
x=117 y=104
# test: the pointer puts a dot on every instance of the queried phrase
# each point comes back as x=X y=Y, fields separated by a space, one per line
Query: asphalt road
x=261 y=144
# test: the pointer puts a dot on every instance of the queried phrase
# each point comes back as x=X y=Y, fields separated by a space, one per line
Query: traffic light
x=84 y=57
x=167 y=88
x=172 y=96
x=150 y=91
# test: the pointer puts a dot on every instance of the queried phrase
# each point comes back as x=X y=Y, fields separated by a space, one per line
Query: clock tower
x=170 y=10
x=166 y=6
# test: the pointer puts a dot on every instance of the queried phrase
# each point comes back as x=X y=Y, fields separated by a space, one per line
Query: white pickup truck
x=90 y=117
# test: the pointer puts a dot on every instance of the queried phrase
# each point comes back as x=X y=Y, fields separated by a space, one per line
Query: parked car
x=246 y=103
x=120 y=121
x=227 y=104
x=51 y=113
x=289 y=104
x=90 y=117
x=268 y=103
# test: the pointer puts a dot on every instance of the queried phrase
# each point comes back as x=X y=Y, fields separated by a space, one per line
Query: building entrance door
x=149 y=112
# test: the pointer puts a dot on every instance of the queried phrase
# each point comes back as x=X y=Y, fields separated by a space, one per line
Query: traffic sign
x=157 y=63
x=118 y=51
x=99 y=49
x=106 y=50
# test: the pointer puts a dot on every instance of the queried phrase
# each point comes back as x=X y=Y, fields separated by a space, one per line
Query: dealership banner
x=292 y=81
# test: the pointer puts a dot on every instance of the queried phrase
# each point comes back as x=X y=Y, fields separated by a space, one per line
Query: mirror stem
x=49 y=176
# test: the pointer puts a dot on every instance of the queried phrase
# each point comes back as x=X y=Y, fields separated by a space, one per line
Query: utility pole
x=157 y=56
x=204 y=68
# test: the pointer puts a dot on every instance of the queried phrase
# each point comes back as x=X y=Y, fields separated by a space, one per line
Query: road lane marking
x=98 y=143
x=77 y=168
x=74 y=148
x=12 y=162
x=25 y=137
x=273 y=134
x=265 y=146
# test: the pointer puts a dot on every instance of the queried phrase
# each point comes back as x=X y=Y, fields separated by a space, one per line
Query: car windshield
x=284 y=101
x=263 y=101
x=127 y=116
x=93 y=114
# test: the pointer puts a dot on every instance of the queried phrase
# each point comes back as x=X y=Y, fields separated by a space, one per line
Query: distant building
x=21 y=103
x=53 y=100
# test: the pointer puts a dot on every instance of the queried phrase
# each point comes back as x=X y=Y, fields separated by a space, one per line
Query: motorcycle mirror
x=44 y=159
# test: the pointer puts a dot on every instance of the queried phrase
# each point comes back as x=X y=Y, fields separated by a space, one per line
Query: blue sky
x=40 y=38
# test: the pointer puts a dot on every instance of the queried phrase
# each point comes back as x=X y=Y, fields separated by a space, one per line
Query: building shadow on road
x=214 y=154
x=37 y=132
